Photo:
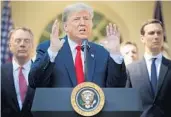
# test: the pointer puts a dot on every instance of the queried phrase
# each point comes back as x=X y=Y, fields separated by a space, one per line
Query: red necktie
x=79 y=66
x=22 y=85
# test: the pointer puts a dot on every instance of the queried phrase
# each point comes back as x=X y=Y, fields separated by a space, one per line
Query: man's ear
x=142 y=38
x=9 y=45
x=65 y=27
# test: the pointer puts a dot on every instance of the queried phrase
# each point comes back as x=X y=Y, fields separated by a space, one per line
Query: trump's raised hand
x=112 y=40
x=55 y=43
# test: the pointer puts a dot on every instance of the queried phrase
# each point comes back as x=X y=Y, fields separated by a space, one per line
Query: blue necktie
x=154 y=76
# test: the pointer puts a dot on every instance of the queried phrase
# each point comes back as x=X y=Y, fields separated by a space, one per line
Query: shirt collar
x=26 y=66
x=72 y=44
x=149 y=57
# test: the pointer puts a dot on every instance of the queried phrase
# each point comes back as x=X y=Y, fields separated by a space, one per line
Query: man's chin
x=83 y=37
x=22 y=56
x=156 y=49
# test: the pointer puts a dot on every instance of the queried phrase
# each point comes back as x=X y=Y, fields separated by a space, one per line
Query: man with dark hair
x=152 y=74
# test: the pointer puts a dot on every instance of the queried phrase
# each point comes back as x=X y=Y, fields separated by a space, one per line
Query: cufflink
x=92 y=55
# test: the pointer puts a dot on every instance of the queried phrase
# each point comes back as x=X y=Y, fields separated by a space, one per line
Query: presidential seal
x=87 y=99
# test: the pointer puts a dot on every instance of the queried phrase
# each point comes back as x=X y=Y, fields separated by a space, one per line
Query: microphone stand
x=85 y=47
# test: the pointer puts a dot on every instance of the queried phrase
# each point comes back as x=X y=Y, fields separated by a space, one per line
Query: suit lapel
x=68 y=61
x=145 y=75
x=163 y=71
x=69 y=64
x=91 y=64
x=29 y=97
x=11 y=89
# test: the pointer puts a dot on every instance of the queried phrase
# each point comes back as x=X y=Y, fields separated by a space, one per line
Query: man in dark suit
x=152 y=75
x=16 y=95
x=58 y=61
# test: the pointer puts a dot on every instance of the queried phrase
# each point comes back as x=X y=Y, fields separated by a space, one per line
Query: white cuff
x=118 y=58
x=52 y=55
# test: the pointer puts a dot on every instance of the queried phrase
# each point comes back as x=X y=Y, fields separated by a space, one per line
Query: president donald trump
x=59 y=62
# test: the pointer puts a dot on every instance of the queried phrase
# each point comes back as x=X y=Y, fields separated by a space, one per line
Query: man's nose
x=156 y=35
x=22 y=43
x=82 y=21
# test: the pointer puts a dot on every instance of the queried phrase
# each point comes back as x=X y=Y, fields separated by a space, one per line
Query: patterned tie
x=153 y=76
x=22 y=85
x=79 y=66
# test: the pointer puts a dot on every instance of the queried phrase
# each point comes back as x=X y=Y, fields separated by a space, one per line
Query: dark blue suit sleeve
x=41 y=71
x=116 y=76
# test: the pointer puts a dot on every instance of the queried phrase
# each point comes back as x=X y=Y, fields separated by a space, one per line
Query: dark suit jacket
x=160 y=104
x=102 y=69
x=9 y=102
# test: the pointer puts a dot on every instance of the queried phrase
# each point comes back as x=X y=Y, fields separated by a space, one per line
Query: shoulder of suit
x=134 y=64
x=44 y=45
x=97 y=47
x=167 y=61
x=6 y=65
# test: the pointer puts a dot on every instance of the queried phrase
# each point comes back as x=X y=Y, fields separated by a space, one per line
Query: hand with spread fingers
x=112 y=41
x=55 y=43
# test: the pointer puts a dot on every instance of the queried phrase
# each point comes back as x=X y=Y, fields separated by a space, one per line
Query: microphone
x=85 y=45
x=85 y=48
